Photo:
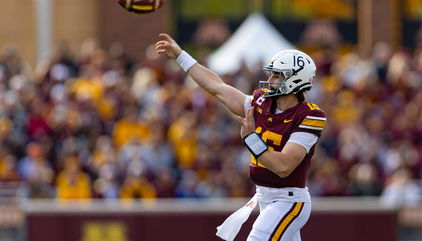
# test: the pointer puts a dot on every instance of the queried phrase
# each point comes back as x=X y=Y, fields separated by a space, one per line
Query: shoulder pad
x=314 y=118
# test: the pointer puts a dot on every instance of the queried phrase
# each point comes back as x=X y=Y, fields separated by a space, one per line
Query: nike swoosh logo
x=287 y=121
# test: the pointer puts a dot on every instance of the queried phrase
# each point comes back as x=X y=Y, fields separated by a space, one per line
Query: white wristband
x=185 y=61
x=255 y=144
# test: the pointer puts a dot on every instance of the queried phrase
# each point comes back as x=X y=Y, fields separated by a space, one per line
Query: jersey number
x=268 y=135
x=313 y=106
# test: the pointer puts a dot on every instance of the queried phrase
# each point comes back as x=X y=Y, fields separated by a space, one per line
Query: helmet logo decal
x=295 y=71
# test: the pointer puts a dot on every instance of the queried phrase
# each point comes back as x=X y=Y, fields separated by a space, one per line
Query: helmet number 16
x=298 y=60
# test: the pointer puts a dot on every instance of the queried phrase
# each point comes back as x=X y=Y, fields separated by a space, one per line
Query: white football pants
x=283 y=212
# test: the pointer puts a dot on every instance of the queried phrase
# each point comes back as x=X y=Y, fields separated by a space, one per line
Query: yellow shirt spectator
x=183 y=137
x=137 y=187
x=73 y=183
x=130 y=128
x=87 y=89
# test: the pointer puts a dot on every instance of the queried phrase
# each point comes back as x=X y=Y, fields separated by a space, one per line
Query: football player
x=280 y=130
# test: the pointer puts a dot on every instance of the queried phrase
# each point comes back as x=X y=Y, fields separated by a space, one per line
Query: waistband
x=293 y=194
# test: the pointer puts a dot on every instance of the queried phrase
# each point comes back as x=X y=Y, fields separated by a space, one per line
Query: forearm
x=281 y=163
x=209 y=81
x=276 y=162
x=206 y=79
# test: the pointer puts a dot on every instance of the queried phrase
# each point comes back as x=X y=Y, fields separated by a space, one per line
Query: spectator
x=8 y=169
x=136 y=185
x=72 y=182
x=189 y=185
x=36 y=171
x=157 y=152
x=401 y=190
x=107 y=111
x=364 y=180
x=106 y=185
x=130 y=128
x=183 y=136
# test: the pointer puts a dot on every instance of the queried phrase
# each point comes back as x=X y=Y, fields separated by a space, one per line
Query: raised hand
x=168 y=46
x=247 y=124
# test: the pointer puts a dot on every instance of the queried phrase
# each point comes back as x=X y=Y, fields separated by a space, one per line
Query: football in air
x=141 y=6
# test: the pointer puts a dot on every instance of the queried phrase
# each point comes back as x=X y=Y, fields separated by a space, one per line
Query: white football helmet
x=297 y=68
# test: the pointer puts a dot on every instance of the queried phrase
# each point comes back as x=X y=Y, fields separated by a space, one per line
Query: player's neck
x=286 y=102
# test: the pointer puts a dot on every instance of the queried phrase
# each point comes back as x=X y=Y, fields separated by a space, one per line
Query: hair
x=301 y=94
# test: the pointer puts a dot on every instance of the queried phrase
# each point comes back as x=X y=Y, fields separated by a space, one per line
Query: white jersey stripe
x=311 y=127
x=316 y=118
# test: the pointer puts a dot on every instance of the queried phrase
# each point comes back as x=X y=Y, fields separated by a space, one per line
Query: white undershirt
x=305 y=139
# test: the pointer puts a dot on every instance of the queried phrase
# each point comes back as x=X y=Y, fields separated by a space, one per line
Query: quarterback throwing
x=279 y=128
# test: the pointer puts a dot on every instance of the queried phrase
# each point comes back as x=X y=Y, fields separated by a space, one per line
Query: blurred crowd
x=100 y=123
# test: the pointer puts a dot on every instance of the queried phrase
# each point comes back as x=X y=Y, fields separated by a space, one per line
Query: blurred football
x=141 y=6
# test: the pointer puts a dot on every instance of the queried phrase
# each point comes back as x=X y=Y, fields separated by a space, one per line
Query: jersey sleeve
x=248 y=103
x=305 y=139
x=313 y=121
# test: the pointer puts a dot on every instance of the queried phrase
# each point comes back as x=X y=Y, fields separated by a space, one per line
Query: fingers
x=168 y=46
x=165 y=37
x=161 y=47
x=248 y=118
x=249 y=113
x=247 y=124
x=241 y=120
x=161 y=42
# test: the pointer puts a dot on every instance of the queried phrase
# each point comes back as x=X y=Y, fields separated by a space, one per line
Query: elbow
x=283 y=172
x=211 y=88
x=213 y=92
x=279 y=163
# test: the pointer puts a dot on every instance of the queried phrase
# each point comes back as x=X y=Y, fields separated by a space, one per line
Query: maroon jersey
x=275 y=130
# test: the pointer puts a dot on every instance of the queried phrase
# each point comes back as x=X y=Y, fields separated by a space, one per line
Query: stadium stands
x=100 y=124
